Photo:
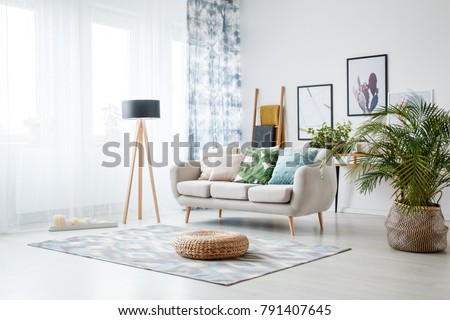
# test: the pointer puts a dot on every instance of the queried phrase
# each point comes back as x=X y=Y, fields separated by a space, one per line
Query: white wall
x=302 y=42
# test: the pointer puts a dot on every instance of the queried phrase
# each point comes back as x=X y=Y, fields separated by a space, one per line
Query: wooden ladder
x=279 y=125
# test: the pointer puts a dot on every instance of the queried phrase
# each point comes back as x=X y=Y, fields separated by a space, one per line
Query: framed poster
x=314 y=107
x=397 y=97
x=366 y=84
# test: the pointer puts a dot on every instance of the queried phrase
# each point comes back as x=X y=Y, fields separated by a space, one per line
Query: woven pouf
x=211 y=244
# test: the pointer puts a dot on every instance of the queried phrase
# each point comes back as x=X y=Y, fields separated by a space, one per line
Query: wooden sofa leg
x=291 y=225
x=188 y=213
x=320 y=220
x=220 y=213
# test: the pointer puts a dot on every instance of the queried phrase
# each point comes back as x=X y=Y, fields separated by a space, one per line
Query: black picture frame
x=367 y=84
x=314 y=107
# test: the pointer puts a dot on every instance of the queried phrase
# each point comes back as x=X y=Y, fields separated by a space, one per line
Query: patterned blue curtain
x=213 y=72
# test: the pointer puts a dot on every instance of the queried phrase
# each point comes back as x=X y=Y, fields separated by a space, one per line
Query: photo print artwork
x=366 y=84
x=400 y=97
x=397 y=97
x=314 y=108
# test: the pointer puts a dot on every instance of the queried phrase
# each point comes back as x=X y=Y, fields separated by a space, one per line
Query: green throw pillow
x=258 y=165
x=288 y=163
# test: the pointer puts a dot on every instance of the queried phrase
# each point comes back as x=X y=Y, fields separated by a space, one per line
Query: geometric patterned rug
x=151 y=248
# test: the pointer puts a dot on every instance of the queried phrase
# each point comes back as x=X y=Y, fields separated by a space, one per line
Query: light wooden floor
x=371 y=270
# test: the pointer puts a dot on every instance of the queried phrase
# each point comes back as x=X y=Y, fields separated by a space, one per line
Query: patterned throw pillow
x=288 y=163
x=258 y=165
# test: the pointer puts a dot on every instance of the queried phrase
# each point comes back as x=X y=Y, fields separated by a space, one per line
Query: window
x=18 y=82
x=111 y=73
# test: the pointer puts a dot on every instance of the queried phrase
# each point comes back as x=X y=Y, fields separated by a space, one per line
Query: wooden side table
x=340 y=163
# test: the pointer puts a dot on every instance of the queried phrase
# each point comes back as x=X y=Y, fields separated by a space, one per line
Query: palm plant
x=412 y=153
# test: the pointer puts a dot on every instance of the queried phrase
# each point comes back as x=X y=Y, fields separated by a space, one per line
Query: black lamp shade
x=135 y=109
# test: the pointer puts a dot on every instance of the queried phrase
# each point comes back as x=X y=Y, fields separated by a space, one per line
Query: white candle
x=59 y=220
x=77 y=221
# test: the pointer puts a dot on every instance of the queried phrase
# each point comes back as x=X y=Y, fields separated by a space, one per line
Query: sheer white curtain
x=65 y=66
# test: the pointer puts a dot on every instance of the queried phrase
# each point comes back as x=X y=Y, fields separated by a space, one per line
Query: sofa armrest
x=183 y=172
x=312 y=193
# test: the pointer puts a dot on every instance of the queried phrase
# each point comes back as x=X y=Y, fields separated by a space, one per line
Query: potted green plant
x=407 y=145
x=327 y=137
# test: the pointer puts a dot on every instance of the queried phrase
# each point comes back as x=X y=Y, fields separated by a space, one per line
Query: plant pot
x=423 y=232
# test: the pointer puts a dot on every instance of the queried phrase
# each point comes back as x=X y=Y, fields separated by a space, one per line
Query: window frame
x=111 y=17
x=19 y=138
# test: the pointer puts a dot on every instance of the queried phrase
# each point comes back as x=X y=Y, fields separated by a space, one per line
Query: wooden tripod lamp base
x=140 y=109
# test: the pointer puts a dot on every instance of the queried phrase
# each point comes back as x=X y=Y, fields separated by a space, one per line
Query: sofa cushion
x=210 y=157
x=195 y=188
x=230 y=190
x=288 y=163
x=270 y=194
x=227 y=167
x=205 y=167
x=258 y=165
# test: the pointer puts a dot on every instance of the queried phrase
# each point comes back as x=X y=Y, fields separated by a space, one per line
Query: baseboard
x=373 y=212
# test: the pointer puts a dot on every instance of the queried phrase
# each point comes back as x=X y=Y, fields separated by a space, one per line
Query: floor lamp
x=140 y=110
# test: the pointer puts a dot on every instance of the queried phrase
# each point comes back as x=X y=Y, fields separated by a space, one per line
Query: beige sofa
x=309 y=194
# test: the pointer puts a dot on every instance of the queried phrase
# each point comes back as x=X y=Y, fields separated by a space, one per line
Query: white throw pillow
x=205 y=167
x=215 y=154
x=227 y=171
x=207 y=158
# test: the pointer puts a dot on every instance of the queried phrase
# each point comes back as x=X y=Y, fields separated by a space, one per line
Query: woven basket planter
x=211 y=244
x=424 y=232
